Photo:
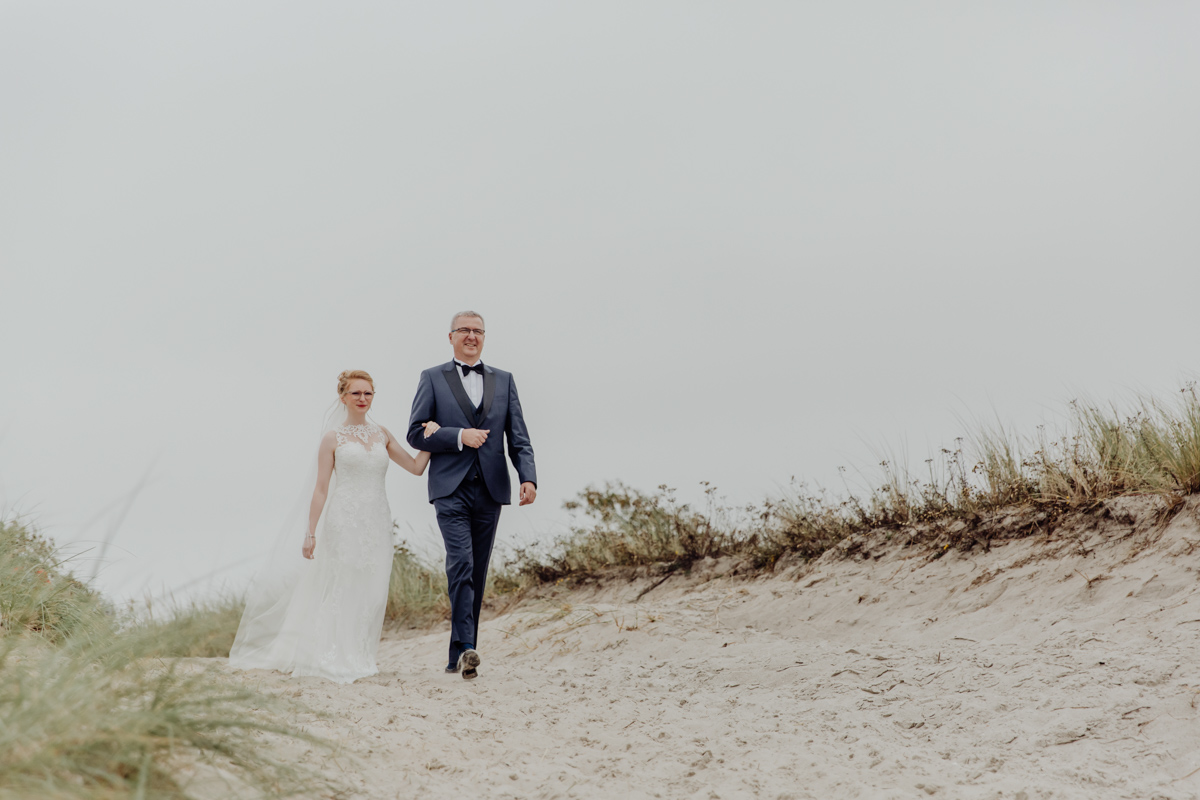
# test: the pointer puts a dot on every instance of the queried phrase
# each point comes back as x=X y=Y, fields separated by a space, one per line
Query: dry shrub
x=1102 y=454
x=630 y=528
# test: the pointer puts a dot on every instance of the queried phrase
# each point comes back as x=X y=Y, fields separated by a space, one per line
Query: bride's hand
x=430 y=427
x=310 y=544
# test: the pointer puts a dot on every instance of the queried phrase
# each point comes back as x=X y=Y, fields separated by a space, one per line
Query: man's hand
x=528 y=493
x=474 y=437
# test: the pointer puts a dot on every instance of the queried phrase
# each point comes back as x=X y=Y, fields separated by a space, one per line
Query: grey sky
x=732 y=242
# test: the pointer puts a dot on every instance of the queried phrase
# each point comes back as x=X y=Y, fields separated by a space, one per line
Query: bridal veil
x=277 y=617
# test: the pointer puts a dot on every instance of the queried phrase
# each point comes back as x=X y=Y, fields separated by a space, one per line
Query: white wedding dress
x=324 y=617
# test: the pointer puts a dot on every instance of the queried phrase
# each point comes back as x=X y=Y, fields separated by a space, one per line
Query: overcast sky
x=732 y=242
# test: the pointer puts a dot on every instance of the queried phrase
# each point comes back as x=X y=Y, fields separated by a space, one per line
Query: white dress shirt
x=473 y=384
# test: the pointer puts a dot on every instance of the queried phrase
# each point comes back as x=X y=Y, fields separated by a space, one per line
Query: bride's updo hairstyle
x=353 y=375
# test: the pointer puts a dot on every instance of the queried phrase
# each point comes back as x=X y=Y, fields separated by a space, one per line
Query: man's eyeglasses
x=465 y=331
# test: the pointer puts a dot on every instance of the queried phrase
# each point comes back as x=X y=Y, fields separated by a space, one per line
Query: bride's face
x=359 y=395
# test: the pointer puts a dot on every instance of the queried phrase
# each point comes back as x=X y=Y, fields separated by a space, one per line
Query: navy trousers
x=468 y=520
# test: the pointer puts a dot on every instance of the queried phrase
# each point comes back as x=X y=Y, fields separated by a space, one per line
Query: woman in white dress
x=322 y=615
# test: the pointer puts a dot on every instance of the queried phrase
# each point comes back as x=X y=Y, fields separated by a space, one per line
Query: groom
x=476 y=406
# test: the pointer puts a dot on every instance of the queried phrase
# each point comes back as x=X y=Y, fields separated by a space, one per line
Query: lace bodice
x=369 y=434
x=358 y=507
x=360 y=463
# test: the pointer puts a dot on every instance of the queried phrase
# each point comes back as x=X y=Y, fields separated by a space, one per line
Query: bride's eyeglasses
x=362 y=395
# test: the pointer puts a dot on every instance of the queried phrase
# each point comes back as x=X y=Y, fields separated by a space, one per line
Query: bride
x=322 y=615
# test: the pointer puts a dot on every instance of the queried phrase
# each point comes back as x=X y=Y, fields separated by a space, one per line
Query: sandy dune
x=1060 y=665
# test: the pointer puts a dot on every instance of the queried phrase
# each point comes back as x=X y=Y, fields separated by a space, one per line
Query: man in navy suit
x=468 y=477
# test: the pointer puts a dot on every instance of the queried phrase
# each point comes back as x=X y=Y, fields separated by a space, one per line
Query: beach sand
x=1059 y=665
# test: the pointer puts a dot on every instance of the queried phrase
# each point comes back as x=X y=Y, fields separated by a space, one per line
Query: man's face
x=467 y=339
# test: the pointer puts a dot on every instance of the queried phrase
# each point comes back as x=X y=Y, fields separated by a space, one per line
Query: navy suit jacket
x=442 y=398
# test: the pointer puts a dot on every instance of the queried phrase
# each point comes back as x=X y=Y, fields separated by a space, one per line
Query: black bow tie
x=477 y=368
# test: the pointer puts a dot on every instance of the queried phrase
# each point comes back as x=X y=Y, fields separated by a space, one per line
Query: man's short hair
x=455 y=318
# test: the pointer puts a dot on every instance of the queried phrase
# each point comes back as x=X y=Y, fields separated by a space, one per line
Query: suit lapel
x=489 y=390
x=460 y=394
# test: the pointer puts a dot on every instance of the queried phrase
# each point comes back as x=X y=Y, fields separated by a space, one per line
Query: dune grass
x=94 y=705
x=1152 y=447
x=1101 y=452
x=200 y=629
x=97 y=704
x=36 y=595
x=417 y=591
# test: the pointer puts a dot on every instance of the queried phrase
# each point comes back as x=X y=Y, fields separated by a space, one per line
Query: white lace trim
x=368 y=434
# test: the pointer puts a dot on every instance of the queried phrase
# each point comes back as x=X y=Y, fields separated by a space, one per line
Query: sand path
x=1062 y=667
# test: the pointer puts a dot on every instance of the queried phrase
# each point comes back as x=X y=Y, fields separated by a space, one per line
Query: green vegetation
x=417 y=592
x=197 y=630
x=93 y=706
x=1102 y=453
x=1153 y=448
x=35 y=595
x=630 y=528
x=98 y=704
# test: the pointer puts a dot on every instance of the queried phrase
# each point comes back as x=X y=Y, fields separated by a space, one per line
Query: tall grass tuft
x=417 y=591
x=203 y=629
x=92 y=707
x=1154 y=448
x=36 y=595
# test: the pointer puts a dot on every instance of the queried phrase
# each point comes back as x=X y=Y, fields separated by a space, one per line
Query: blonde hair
x=353 y=375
